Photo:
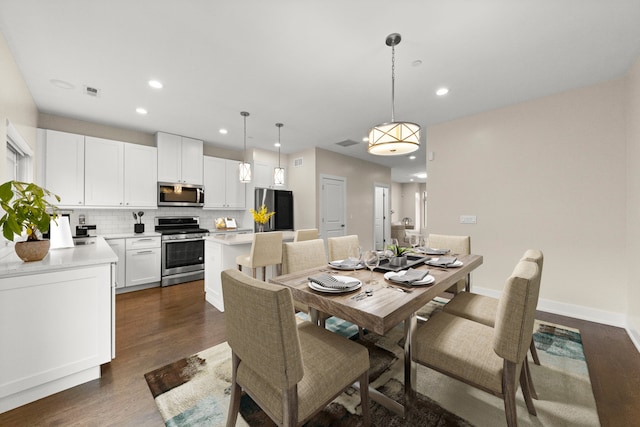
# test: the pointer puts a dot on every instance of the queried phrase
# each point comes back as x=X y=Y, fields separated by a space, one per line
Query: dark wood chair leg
x=527 y=373
x=526 y=387
x=509 y=393
x=364 y=399
x=534 y=352
x=236 y=393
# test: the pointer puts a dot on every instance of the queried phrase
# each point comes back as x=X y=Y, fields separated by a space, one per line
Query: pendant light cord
x=393 y=82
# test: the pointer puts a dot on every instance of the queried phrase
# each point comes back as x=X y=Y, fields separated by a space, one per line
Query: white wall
x=633 y=202
x=547 y=174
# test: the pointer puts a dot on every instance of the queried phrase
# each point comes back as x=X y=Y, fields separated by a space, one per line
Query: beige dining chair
x=297 y=256
x=290 y=370
x=483 y=309
x=343 y=247
x=490 y=359
x=305 y=234
x=266 y=249
x=460 y=245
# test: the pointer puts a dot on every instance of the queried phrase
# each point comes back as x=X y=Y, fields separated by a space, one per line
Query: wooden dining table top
x=386 y=307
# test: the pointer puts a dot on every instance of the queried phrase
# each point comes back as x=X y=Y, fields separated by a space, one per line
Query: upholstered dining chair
x=343 y=247
x=490 y=359
x=290 y=370
x=305 y=234
x=483 y=309
x=266 y=249
x=460 y=245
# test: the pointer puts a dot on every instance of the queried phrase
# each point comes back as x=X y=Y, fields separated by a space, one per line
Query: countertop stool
x=266 y=249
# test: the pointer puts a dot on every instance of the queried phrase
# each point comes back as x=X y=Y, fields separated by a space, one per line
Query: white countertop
x=130 y=235
x=57 y=259
x=243 y=239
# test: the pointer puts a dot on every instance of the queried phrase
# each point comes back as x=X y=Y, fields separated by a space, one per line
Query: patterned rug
x=195 y=391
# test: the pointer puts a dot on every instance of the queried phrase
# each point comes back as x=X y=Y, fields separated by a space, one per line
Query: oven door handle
x=182 y=240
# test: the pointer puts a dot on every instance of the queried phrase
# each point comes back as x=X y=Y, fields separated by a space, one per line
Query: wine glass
x=414 y=241
x=358 y=256
x=372 y=261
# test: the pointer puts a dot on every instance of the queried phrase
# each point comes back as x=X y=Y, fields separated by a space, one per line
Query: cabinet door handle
x=143 y=252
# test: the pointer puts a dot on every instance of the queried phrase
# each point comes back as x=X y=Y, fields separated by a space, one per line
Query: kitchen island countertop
x=243 y=238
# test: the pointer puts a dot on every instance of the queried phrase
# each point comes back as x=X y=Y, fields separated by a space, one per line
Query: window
x=19 y=156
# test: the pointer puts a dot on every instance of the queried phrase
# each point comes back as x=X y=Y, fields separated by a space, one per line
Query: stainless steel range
x=182 y=248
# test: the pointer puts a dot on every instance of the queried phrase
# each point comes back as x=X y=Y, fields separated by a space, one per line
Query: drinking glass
x=372 y=261
x=415 y=241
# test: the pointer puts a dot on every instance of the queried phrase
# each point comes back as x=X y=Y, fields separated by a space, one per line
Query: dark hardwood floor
x=158 y=326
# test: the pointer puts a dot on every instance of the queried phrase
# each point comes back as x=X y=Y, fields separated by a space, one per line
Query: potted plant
x=261 y=216
x=398 y=255
x=27 y=211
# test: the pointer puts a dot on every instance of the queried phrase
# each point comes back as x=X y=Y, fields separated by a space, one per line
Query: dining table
x=380 y=305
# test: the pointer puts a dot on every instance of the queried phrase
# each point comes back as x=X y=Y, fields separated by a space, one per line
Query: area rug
x=195 y=391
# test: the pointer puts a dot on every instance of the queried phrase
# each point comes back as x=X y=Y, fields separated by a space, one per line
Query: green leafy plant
x=26 y=209
x=398 y=250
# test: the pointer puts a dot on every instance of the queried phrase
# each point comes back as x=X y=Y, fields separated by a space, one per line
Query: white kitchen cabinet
x=104 y=172
x=143 y=257
x=64 y=167
x=263 y=175
x=222 y=187
x=140 y=176
x=118 y=246
x=179 y=159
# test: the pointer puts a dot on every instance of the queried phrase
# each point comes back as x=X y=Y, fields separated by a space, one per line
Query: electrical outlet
x=468 y=219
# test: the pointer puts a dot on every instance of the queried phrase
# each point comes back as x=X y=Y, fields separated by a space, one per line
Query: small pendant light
x=244 y=168
x=278 y=173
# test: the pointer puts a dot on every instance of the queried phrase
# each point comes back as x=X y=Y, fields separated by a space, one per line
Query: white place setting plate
x=336 y=264
x=344 y=279
x=427 y=280
x=434 y=262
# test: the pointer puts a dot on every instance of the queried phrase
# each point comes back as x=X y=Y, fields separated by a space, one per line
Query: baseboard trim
x=570 y=310
x=635 y=337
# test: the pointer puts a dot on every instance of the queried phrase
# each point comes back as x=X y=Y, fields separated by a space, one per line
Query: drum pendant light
x=244 y=168
x=394 y=138
x=278 y=173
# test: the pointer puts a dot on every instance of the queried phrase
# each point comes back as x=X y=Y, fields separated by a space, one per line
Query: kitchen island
x=57 y=317
x=220 y=252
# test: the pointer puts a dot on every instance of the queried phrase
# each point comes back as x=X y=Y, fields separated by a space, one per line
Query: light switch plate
x=468 y=219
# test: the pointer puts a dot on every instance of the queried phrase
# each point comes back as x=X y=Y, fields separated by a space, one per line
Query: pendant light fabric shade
x=244 y=168
x=278 y=173
x=394 y=138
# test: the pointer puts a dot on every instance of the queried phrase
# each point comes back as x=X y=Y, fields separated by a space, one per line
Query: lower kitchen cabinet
x=139 y=261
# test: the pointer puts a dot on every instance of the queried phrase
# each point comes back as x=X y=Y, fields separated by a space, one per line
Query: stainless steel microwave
x=176 y=194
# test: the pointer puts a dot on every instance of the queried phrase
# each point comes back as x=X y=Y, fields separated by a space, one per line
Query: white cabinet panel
x=223 y=189
x=143 y=260
x=140 y=176
x=179 y=159
x=104 y=172
x=64 y=167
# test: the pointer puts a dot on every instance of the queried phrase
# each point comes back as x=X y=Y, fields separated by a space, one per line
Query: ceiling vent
x=347 y=143
x=297 y=162
x=92 y=91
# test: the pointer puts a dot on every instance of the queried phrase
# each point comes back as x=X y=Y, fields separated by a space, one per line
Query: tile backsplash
x=117 y=221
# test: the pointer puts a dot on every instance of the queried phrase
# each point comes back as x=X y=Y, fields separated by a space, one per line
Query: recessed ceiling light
x=155 y=84
x=412 y=157
x=277 y=144
x=141 y=110
x=365 y=139
x=421 y=175
x=61 y=84
x=442 y=91
x=223 y=131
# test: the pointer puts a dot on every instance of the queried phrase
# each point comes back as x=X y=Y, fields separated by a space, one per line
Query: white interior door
x=382 y=217
x=333 y=201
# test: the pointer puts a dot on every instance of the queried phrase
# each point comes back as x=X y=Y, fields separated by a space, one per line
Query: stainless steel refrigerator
x=278 y=201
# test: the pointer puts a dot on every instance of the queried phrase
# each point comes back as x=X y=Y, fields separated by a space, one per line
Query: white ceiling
x=320 y=67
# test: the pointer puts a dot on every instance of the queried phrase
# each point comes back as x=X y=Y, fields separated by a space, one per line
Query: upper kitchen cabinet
x=223 y=189
x=263 y=175
x=64 y=167
x=104 y=172
x=179 y=159
x=140 y=176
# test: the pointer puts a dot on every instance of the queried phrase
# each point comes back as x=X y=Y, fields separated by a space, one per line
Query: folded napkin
x=411 y=276
x=331 y=282
x=431 y=251
x=347 y=263
x=443 y=261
